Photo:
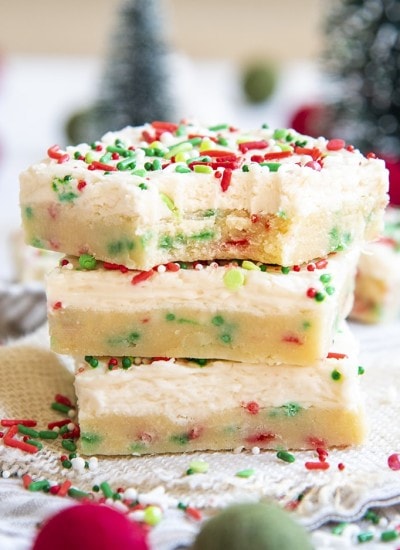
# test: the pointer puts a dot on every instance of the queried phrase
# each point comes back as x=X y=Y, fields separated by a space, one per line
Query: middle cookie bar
x=234 y=311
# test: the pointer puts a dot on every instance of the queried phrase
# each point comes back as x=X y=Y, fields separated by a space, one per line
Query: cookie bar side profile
x=240 y=311
x=160 y=406
x=142 y=197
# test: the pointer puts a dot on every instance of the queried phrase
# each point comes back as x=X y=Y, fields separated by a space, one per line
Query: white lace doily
x=31 y=375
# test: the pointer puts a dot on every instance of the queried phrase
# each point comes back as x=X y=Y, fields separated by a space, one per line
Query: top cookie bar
x=165 y=192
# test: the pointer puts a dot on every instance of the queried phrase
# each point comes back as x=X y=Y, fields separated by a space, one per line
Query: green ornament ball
x=259 y=82
x=258 y=526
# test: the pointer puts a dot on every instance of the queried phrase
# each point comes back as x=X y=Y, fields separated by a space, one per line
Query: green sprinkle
x=27 y=431
x=218 y=127
x=42 y=485
x=201 y=169
x=64 y=430
x=35 y=443
x=28 y=212
x=87 y=261
x=157 y=164
x=248 y=472
x=245 y=168
x=60 y=407
x=226 y=338
x=208 y=213
x=339 y=528
x=222 y=141
x=48 y=434
x=126 y=164
x=91 y=438
x=198 y=467
x=69 y=445
x=365 y=537
x=285 y=270
x=336 y=375
x=218 y=320
x=72 y=455
x=182 y=169
x=233 y=279
x=106 y=157
x=325 y=278
x=76 y=493
x=251 y=266
x=170 y=317
x=115 y=149
x=319 y=297
x=67 y=464
x=169 y=203
x=330 y=290
x=372 y=516
x=265 y=126
x=126 y=362
x=361 y=370
x=387 y=536
x=285 y=456
x=292 y=409
x=280 y=133
x=200 y=362
x=182 y=506
x=90 y=157
x=181 y=439
x=140 y=172
x=272 y=166
x=107 y=491
x=143 y=186
x=93 y=362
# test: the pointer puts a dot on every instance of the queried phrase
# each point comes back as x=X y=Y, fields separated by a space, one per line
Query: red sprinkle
x=335 y=355
x=102 y=166
x=292 y=339
x=81 y=185
x=322 y=454
x=220 y=154
x=26 y=480
x=350 y=148
x=311 y=292
x=335 y=144
x=316 y=465
x=7 y=422
x=58 y=423
x=314 y=152
x=142 y=276
x=63 y=488
x=252 y=407
x=341 y=466
x=254 y=218
x=55 y=153
x=17 y=443
x=194 y=513
x=64 y=262
x=371 y=155
x=311 y=267
x=165 y=126
x=173 y=266
x=264 y=437
x=321 y=264
x=122 y=268
x=241 y=242
x=296 y=268
x=315 y=165
x=277 y=155
x=64 y=400
x=248 y=145
x=226 y=179
x=394 y=461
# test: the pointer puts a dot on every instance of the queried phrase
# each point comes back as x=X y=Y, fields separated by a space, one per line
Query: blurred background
x=69 y=71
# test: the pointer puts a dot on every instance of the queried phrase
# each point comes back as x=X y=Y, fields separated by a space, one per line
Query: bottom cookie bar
x=169 y=406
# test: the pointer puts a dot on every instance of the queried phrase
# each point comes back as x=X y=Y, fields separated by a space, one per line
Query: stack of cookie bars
x=207 y=278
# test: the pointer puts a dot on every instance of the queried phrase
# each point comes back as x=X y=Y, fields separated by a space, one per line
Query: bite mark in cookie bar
x=146 y=196
x=240 y=311
x=134 y=406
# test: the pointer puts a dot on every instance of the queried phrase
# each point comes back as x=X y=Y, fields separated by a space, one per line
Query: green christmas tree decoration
x=362 y=61
x=135 y=87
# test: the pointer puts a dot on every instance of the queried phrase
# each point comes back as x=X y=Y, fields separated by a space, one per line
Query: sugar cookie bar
x=168 y=406
x=239 y=311
x=377 y=289
x=163 y=192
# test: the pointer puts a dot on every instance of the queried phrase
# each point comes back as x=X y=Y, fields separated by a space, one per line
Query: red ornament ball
x=393 y=165
x=90 y=527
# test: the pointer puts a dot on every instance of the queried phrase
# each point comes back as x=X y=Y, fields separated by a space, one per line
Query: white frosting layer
x=294 y=189
x=177 y=388
x=262 y=293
